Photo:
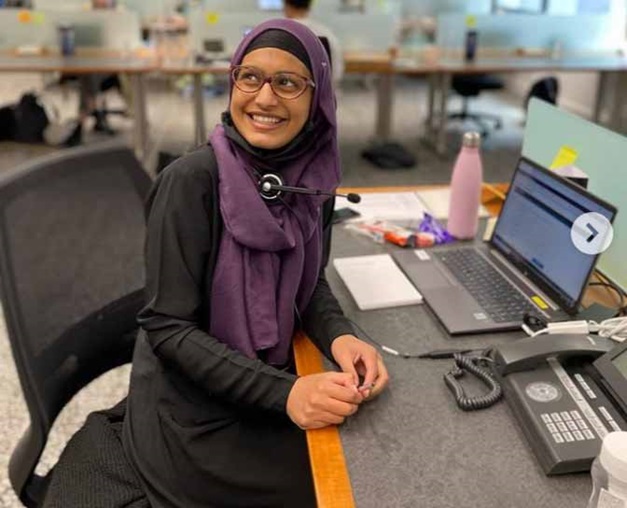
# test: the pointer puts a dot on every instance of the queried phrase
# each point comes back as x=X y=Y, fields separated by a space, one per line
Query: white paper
x=405 y=207
x=376 y=282
x=437 y=202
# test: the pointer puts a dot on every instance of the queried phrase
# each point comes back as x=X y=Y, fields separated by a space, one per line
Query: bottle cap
x=471 y=139
x=613 y=455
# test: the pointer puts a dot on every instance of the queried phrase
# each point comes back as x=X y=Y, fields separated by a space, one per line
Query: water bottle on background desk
x=463 y=216
x=66 y=39
x=609 y=473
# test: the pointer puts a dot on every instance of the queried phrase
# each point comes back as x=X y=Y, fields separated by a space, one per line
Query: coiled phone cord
x=473 y=365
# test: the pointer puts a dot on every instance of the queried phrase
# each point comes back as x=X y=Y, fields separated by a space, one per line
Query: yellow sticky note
x=212 y=18
x=471 y=21
x=39 y=18
x=539 y=302
x=566 y=156
x=24 y=17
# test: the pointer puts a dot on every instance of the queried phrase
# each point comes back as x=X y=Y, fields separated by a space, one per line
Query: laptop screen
x=534 y=231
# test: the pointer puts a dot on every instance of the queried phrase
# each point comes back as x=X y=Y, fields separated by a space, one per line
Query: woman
x=215 y=411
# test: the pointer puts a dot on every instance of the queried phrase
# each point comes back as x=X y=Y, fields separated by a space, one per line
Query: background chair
x=468 y=86
x=71 y=279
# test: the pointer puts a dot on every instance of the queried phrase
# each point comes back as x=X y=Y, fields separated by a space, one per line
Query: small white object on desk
x=376 y=282
x=29 y=50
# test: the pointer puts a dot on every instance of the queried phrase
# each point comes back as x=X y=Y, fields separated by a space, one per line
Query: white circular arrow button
x=592 y=233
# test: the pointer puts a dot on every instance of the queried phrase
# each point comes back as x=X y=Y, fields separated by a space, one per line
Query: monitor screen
x=534 y=230
x=270 y=5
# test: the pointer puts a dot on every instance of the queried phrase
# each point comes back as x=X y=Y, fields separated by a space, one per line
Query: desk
x=412 y=446
x=95 y=63
x=610 y=93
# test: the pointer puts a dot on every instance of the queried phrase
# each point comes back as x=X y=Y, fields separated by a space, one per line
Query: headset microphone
x=271 y=186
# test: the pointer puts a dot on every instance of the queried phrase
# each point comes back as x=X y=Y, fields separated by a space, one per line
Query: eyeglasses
x=287 y=85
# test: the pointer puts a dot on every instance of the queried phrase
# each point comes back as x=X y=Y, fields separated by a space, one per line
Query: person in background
x=91 y=85
x=299 y=11
x=216 y=414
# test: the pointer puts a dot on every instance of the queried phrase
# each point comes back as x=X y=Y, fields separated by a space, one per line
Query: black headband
x=280 y=39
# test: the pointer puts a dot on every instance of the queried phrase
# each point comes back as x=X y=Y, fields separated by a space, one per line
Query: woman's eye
x=286 y=82
x=250 y=77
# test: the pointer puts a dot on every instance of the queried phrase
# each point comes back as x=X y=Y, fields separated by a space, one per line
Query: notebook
x=375 y=282
x=532 y=264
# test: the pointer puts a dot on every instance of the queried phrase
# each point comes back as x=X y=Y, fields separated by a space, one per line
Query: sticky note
x=39 y=18
x=566 y=156
x=24 y=17
x=539 y=302
x=212 y=18
x=471 y=21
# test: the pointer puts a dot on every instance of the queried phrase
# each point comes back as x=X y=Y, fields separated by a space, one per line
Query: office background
x=171 y=124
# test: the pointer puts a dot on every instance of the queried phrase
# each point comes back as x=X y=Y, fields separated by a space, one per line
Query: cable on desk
x=472 y=364
x=464 y=362
x=434 y=355
x=604 y=281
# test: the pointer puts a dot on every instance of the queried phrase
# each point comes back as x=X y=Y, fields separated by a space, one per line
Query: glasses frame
x=269 y=79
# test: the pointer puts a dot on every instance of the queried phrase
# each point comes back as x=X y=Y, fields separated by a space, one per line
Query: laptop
x=530 y=265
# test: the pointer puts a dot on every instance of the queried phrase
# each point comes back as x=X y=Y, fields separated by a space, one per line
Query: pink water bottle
x=463 y=215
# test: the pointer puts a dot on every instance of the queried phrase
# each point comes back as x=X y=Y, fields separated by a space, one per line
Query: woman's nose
x=266 y=96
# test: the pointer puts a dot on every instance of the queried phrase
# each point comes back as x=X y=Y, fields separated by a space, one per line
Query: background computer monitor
x=270 y=5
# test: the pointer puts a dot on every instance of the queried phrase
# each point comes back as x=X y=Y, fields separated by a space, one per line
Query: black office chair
x=471 y=85
x=71 y=278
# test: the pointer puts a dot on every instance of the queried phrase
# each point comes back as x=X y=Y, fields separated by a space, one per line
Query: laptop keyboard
x=497 y=296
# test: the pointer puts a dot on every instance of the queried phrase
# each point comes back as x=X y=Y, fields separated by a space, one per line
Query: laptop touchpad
x=424 y=273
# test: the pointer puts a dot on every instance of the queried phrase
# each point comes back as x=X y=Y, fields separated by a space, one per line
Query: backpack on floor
x=30 y=119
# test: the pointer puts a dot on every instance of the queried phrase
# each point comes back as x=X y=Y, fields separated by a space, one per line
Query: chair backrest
x=71 y=279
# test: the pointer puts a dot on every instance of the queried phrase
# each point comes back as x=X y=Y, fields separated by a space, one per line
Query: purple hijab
x=269 y=256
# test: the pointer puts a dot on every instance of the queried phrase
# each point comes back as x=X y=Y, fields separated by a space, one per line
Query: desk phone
x=567 y=392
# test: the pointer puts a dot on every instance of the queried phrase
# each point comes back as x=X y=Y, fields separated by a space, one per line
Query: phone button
x=568 y=437
x=552 y=428
x=589 y=434
x=558 y=438
x=556 y=417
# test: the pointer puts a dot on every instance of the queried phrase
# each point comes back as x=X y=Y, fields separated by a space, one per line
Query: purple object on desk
x=430 y=225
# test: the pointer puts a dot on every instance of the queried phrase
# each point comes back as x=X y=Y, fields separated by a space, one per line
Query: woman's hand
x=319 y=400
x=359 y=358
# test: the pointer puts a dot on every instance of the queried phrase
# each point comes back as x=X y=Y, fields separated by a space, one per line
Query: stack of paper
x=406 y=208
x=376 y=282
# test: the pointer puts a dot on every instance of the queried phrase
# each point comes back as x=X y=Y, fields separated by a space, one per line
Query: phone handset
x=526 y=354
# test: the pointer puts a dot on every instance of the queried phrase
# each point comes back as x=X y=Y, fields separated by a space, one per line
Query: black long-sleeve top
x=175 y=354
x=184 y=228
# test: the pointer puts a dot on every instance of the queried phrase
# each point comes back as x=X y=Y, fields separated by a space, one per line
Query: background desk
x=412 y=446
x=356 y=63
x=106 y=62
x=611 y=96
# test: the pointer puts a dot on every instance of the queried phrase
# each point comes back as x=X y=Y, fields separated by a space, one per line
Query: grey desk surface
x=412 y=446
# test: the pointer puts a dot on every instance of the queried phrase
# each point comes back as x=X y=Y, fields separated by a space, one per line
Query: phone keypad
x=567 y=427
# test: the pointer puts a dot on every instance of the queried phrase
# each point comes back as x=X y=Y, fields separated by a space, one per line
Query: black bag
x=389 y=155
x=7 y=123
x=30 y=120
x=545 y=89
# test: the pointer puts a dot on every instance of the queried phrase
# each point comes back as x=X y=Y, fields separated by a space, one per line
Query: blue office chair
x=71 y=282
x=469 y=86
